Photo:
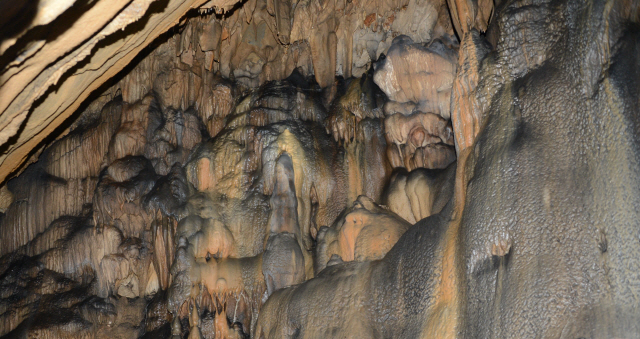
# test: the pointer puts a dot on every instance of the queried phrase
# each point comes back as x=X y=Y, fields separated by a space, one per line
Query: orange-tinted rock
x=110 y=206
x=466 y=111
x=470 y=14
x=365 y=232
x=420 y=193
x=419 y=140
x=203 y=170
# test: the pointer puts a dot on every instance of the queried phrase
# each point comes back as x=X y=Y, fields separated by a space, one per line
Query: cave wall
x=322 y=169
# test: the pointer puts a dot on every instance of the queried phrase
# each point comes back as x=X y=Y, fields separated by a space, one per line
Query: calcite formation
x=319 y=169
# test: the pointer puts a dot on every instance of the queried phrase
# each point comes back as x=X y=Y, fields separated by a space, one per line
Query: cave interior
x=320 y=169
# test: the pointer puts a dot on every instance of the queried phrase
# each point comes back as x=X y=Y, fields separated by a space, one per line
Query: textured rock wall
x=541 y=236
x=330 y=169
x=164 y=207
x=56 y=53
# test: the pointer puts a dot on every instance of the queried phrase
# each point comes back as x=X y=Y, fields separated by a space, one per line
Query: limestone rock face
x=170 y=197
x=414 y=75
x=466 y=113
x=417 y=81
x=525 y=208
x=419 y=193
x=366 y=232
x=470 y=14
x=55 y=55
x=259 y=42
x=319 y=169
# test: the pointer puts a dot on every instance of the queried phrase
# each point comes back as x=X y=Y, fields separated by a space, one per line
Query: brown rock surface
x=259 y=42
x=160 y=196
x=414 y=74
x=420 y=193
x=316 y=169
x=466 y=111
x=365 y=232
x=178 y=181
x=470 y=14
x=164 y=205
x=25 y=80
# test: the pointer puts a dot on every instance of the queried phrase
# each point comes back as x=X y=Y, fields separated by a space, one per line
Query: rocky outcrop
x=470 y=14
x=420 y=193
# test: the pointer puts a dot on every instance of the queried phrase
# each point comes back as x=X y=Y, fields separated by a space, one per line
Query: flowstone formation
x=186 y=199
x=324 y=169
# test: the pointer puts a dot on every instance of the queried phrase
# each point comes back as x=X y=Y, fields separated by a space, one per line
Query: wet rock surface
x=319 y=169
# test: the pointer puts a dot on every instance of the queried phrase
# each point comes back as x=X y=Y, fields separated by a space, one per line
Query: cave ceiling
x=56 y=53
x=320 y=169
